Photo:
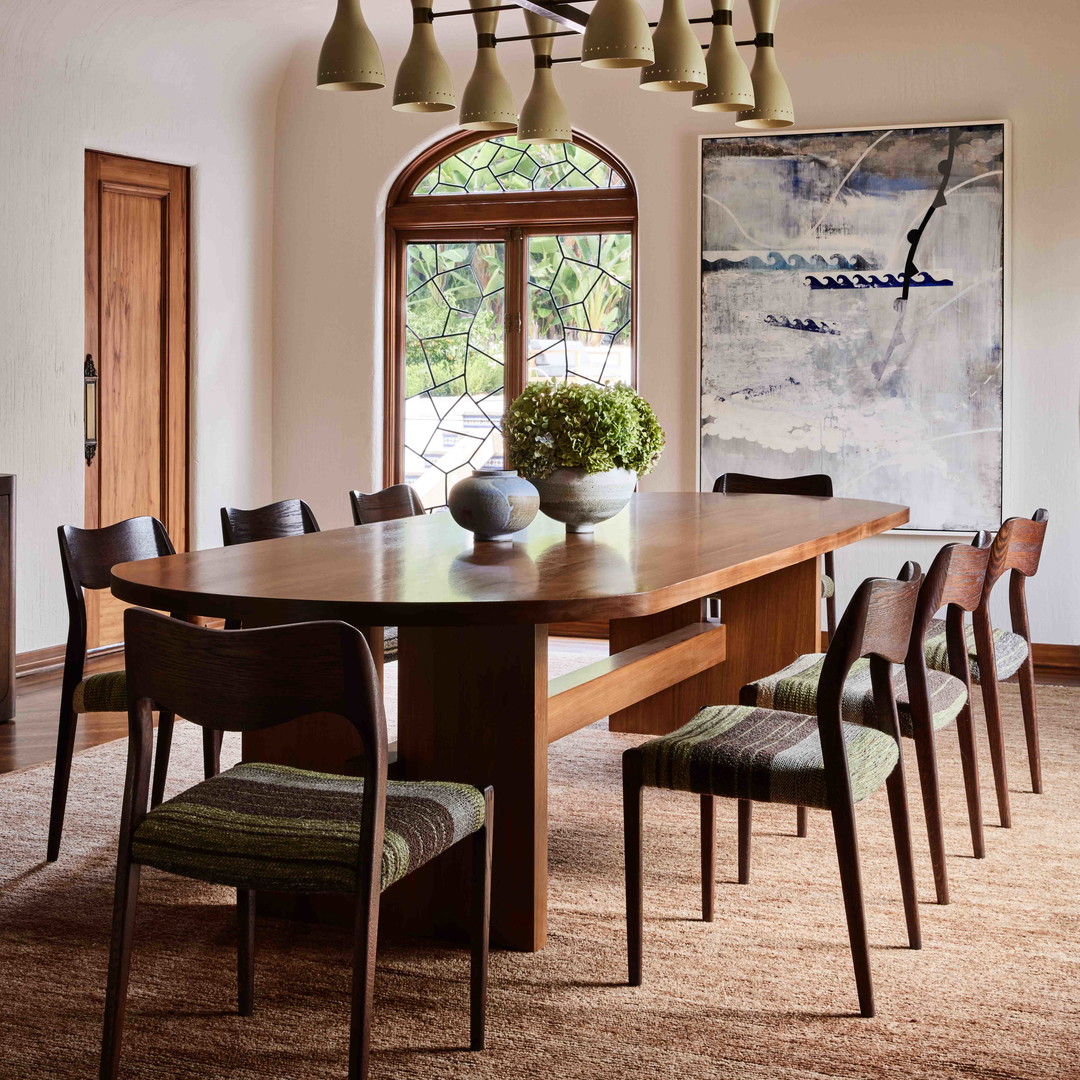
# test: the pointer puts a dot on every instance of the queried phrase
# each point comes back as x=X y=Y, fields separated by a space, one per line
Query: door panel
x=136 y=218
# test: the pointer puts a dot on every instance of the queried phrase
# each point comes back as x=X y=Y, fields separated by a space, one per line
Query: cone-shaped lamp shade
x=488 y=102
x=772 y=99
x=729 y=86
x=350 y=58
x=617 y=36
x=544 y=118
x=679 y=63
x=423 y=81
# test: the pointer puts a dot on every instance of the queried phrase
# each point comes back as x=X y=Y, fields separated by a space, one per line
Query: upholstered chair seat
x=795 y=688
x=104 y=692
x=273 y=827
x=743 y=752
x=390 y=644
x=1010 y=650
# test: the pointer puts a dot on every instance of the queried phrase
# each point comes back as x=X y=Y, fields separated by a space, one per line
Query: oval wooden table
x=475 y=703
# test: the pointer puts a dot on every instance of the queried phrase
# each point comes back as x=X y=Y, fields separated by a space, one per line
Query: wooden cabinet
x=7 y=597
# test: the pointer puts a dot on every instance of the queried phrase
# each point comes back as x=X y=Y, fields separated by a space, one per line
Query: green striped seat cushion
x=795 y=688
x=389 y=645
x=289 y=830
x=105 y=692
x=761 y=754
x=1010 y=650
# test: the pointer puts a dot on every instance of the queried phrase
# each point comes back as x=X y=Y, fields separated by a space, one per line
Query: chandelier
x=616 y=34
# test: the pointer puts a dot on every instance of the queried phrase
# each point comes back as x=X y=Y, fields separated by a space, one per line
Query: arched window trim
x=458 y=217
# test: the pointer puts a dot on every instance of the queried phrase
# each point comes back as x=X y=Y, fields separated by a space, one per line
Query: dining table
x=475 y=701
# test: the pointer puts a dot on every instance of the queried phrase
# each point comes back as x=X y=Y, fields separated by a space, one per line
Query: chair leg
x=365 y=943
x=746 y=821
x=1026 y=677
x=992 y=708
x=65 y=750
x=969 y=760
x=123 y=928
x=211 y=747
x=905 y=861
x=161 y=760
x=708 y=857
x=245 y=951
x=632 y=846
x=800 y=821
x=926 y=756
x=847 y=854
x=481 y=928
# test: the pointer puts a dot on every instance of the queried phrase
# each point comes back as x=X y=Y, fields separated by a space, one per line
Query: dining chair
x=87 y=557
x=290 y=517
x=272 y=827
x=818 y=484
x=765 y=755
x=927 y=700
x=997 y=654
x=396 y=501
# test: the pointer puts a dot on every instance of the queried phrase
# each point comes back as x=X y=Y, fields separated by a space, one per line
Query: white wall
x=181 y=81
x=848 y=63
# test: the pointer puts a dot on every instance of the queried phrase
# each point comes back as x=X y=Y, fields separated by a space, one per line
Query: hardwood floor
x=31 y=738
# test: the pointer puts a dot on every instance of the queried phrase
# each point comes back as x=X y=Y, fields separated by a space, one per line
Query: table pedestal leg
x=473 y=709
x=770 y=621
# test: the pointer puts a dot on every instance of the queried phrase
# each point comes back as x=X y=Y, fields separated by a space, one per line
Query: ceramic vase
x=493 y=504
x=582 y=499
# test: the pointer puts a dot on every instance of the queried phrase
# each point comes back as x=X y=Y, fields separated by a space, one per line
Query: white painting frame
x=704 y=477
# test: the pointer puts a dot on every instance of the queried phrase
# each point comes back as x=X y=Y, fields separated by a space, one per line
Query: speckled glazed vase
x=493 y=504
x=582 y=499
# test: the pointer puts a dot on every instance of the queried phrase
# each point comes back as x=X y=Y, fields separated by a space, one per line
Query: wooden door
x=137 y=338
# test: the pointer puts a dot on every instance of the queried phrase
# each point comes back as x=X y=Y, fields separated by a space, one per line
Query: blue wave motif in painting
x=776 y=261
x=923 y=279
x=807 y=325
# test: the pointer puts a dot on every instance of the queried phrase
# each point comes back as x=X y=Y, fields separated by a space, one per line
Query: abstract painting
x=852 y=306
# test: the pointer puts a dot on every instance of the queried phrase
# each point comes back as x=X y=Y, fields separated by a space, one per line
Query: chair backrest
x=1017 y=547
x=954 y=581
x=87 y=557
x=876 y=624
x=397 y=501
x=249 y=680
x=745 y=484
x=290 y=517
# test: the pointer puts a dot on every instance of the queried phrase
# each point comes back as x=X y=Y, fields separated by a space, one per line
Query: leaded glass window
x=486 y=299
x=504 y=164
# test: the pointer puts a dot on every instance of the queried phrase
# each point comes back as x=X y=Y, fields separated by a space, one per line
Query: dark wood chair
x=928 y=700
x=397 y=501
x=997 y=654
x=814 y=484
x=87 y=557
x=290 y=517
x=355 y=836
x=735 y=751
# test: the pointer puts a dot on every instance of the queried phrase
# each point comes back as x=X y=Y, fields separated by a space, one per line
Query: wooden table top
x=664 y=549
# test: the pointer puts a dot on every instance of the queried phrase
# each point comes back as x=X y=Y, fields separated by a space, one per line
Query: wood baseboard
x=1061 y=660
x=51 y=659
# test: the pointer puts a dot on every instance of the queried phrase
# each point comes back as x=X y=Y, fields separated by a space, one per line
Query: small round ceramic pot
x=493 y=504
x=582 y=499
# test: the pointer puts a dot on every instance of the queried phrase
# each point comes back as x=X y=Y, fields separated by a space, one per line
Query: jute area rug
x=764 y=992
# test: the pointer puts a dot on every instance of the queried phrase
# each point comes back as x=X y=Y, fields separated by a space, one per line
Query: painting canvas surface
x=852 y=305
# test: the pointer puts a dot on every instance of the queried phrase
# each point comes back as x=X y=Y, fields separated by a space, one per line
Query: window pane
x=454 y=351
x=580 y=294
x=504 y=164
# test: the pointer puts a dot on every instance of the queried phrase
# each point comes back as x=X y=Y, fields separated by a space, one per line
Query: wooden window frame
x=502 y=217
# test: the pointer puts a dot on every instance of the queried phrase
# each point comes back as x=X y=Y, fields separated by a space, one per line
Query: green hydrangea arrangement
x=556 y=424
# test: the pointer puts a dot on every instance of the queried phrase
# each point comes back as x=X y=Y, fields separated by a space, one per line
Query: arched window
x=506 y=263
